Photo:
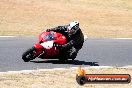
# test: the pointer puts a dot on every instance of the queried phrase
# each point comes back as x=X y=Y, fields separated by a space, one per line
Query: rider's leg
x=75 y=50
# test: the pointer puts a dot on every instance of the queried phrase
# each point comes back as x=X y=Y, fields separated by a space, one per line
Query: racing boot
x=73 y=53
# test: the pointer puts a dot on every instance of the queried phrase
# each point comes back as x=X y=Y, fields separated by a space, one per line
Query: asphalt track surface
x=95 y=52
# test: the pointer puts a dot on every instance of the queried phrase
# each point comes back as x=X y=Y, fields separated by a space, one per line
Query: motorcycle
x=45 y=48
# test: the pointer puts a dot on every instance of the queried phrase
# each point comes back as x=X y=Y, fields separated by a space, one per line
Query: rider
x=75 y=39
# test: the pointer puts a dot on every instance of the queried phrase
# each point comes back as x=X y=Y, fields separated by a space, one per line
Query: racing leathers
x=74 y=41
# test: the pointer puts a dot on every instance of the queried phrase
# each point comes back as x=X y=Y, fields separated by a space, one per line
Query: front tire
x=29 y=54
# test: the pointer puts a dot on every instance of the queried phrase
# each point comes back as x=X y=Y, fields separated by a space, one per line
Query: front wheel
x=29 y=54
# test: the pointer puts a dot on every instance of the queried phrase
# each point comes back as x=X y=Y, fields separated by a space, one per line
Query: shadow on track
x=74 y=62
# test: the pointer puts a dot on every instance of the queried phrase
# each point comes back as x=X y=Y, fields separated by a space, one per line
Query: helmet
x=73 y=25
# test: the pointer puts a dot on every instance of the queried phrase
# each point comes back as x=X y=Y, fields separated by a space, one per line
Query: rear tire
x=63 y=59
x=28 y=55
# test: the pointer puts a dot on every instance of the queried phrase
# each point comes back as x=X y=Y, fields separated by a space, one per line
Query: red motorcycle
x=45 y=48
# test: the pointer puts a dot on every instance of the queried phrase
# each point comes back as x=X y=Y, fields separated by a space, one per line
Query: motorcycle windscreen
x=49 y=37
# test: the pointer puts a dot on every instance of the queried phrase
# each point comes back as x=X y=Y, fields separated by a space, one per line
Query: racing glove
x=48 y=30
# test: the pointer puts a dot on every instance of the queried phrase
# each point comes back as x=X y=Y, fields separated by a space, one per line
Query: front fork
x=39 y=49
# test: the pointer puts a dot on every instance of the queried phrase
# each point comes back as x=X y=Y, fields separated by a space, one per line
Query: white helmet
x=73 y=25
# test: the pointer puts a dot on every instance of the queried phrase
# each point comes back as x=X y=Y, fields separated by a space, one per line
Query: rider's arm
x=68 y=45
x=74 y=40
x=57 y=29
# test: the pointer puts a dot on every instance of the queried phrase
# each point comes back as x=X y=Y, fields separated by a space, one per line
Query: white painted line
x=85 y=37
x=121 y=38
x=54 y=69
x=129 y=66
x=6 y=36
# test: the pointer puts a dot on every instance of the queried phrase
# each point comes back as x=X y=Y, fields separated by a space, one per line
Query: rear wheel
x=63 y=59
x=29 y=54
